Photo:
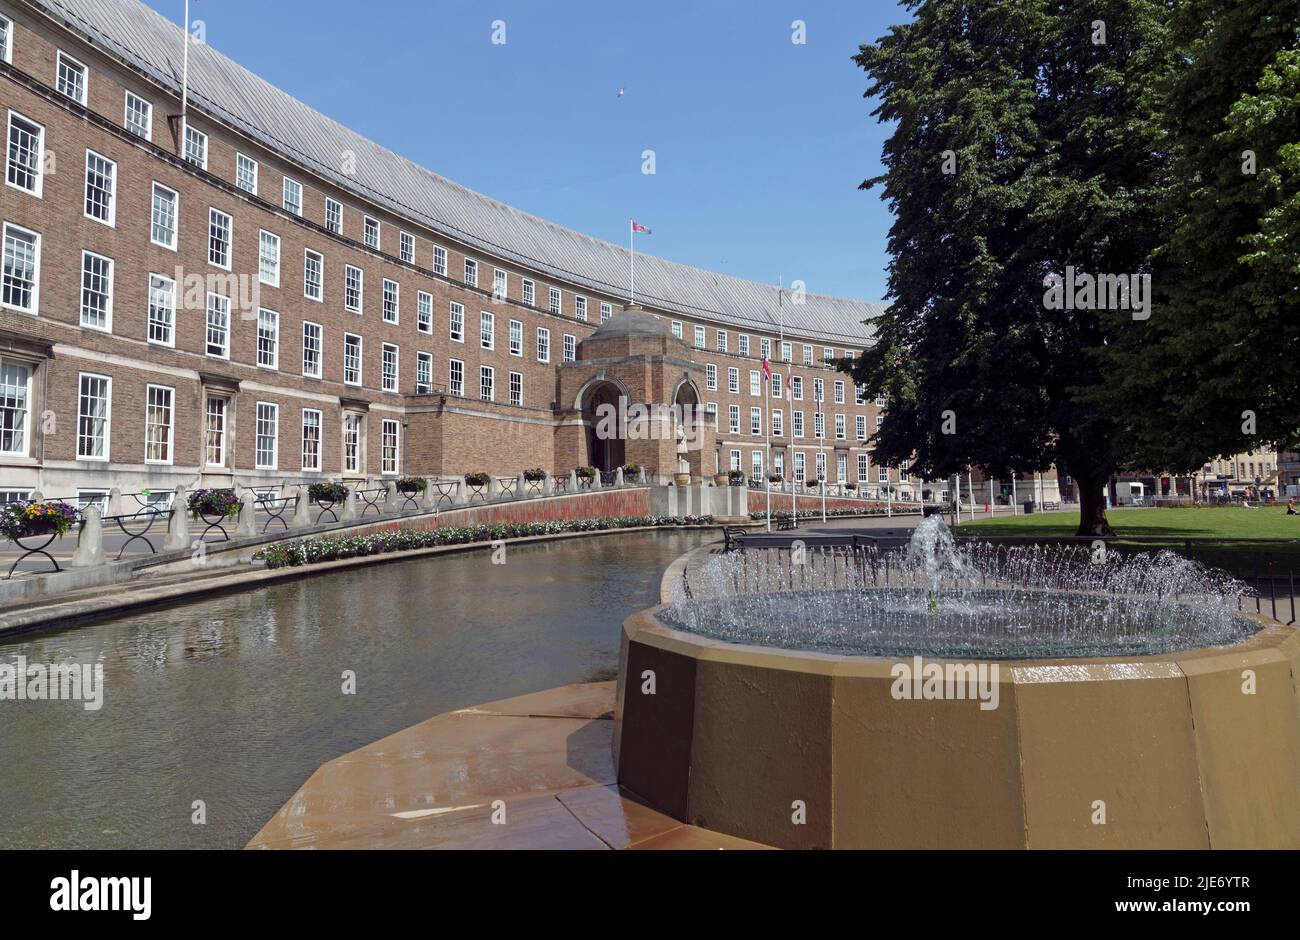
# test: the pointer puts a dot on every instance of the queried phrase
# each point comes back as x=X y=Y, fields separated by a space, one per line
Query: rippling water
x=237 y=700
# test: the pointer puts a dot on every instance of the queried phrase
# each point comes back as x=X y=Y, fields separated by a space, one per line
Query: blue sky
x=759 y=143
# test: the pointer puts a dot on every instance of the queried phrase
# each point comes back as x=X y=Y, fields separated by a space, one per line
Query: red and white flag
x=767 y=369
x=638 y=227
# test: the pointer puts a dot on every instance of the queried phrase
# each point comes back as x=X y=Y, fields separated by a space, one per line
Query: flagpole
x=631 y=243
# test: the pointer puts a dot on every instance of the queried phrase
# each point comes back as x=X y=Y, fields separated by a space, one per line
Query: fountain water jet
x=982 y=601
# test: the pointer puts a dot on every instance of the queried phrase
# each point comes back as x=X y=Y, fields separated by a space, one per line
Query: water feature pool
x=236 y=700
x=977 y=601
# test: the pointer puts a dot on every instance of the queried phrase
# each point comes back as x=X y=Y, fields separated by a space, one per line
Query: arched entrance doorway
x=603 y=424
x=686 y=402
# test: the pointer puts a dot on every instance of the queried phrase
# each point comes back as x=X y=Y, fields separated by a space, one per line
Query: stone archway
x=604 y=437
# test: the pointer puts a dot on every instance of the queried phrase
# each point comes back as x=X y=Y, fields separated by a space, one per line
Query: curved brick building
x=256 y=293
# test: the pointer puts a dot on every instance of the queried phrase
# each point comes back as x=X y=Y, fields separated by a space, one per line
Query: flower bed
x=20 y=520
x=217 y=502
x=411 y=485
x=817 y=513
x=330 y=548
x=327 y=492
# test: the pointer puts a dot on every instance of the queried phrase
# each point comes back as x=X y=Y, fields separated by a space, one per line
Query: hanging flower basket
x=216 y=502
x=327 y=492
x=46 y=517
x=409 y=486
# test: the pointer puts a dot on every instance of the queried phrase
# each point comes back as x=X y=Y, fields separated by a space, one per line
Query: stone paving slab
x=531 y=772
x=584 y=700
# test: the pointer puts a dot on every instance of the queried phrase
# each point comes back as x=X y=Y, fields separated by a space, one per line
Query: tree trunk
x=1092 y=509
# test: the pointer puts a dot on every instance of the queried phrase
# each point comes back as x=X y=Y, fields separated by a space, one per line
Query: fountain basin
x=1189 y=748
x=987 y=624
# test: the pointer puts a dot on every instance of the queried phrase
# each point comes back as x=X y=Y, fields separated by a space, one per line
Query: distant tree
x=1216 y=370
x=1025 y=140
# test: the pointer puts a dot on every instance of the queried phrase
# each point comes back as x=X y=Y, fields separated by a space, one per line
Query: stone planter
x=682 y=479
x=720 y=479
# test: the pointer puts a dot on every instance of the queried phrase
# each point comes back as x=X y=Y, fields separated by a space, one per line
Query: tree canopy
x=1037 y=140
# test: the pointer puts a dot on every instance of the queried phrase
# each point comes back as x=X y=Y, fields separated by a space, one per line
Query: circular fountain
x=972 y=697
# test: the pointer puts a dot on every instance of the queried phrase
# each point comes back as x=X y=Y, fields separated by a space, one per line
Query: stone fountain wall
x=1199 y=749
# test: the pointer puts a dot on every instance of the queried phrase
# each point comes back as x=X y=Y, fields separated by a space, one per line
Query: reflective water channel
x=236 y=700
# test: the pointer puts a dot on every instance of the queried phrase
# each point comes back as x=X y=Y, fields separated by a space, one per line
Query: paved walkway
x=532 y=772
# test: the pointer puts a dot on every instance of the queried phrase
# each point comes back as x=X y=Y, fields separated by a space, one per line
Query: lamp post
x=406 y=424
x=820 y=389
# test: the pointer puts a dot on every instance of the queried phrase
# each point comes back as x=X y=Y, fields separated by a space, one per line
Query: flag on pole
x=767 y=369
x=634 y=227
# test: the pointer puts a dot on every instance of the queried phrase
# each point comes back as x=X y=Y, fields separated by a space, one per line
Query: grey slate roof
x=144 y=39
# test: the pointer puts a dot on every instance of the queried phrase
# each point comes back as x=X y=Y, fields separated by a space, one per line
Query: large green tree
x=1025 y=140
x=1216 y=369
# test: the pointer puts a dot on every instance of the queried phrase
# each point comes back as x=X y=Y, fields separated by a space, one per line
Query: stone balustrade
x=153 y=523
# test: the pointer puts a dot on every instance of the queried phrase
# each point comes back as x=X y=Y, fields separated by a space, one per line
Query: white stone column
x=114 y=505
x=573 y=481
x=618 y=477
x=349 y=513
x=302 y=508
x=178 y=527
x=90 y=540
x=247 y=527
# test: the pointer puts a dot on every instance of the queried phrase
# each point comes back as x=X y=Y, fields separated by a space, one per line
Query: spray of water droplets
x=982 y=601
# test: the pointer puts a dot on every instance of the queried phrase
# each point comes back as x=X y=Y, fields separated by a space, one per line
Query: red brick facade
x=433 y=430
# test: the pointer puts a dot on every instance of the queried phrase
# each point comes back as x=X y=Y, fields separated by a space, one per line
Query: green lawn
x=1224 y=522
x=1134 y=526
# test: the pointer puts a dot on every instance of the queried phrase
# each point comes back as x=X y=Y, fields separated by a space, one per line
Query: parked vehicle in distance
x=1129 y=494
